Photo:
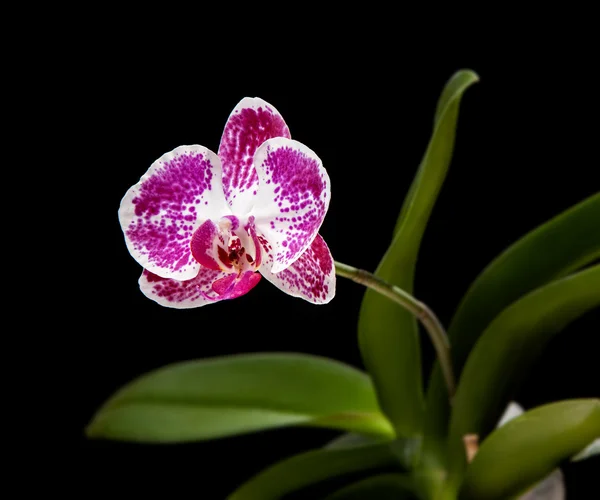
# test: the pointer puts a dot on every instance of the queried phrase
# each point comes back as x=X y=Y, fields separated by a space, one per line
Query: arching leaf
x=508 y=348
x=311 y=468
x=388 y=335
x=562 y=245
x=231 y=395
x=525 y=450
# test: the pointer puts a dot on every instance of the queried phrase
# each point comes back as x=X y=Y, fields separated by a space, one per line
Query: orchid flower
x=206 y=226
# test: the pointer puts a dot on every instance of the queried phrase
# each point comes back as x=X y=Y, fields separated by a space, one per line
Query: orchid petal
x=251 y=123
x=591 y=450
x=292 y=198
x=513 y=410
x=205 y=249
x=552 y=487
x=311 y=277
x=173 y=198
x=208 y=287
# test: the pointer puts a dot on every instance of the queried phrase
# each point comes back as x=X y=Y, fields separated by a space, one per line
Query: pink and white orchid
x=206 y=226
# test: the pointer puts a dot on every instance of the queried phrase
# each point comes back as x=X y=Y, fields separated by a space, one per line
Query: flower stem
x=426 y=316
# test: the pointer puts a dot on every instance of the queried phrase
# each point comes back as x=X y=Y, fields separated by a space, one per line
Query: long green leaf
x=311 y=468
x=565 y=243
x=231 y=395
x=551 y=487
x=380 y=487
x=508 y=348
x=388 y=335
x=452 y=91
x=528 y=448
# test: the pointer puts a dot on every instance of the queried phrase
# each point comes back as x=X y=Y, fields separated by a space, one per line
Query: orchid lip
x=226 y=246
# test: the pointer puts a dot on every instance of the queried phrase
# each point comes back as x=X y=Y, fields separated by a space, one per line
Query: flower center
x=227 y=245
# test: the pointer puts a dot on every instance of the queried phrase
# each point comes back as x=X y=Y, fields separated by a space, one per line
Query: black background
x=526 y=150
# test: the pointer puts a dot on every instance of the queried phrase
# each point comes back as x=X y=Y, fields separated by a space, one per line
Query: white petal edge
x=306 y=278
x=282 y=206
x=160 y=257
x=552 y=487
x=513 y=410
x=197 y=292
x=237 y=163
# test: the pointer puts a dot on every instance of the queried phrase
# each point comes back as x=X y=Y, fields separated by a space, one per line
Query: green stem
x=426 y=316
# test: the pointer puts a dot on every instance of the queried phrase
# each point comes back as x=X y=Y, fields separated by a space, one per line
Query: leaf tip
x=93 y=430
x=468 y=74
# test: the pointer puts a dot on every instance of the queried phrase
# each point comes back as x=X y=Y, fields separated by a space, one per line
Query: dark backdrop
x=525 y=151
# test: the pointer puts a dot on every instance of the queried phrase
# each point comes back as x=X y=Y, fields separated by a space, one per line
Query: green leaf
x=528 y=448
x=451 y=93
x=388 y=335
x=508 y=348
x=381 y=487
x=551 y=487
x=351 y=439
x=311 y=468
x=564 y=244
x=231 y=395
x=403 y=448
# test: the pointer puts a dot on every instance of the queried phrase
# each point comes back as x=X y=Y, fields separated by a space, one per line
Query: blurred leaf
x=311 y=468
x=508 y=348
x=402 y=448
x=551 y=487
x=231 y=395
x=528 y=448
x=351 y=439
x=564 y=244
x=388 y=335
x=381 y=487
x=514 y=410
x=591 y=450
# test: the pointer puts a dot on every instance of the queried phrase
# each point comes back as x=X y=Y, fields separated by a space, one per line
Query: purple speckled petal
x=208 y=287
x=292 y=199
x=234 y=286
x=173 y=198
x=251 y=123
x=311 y=277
